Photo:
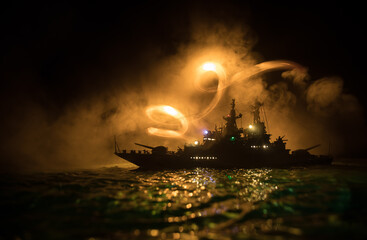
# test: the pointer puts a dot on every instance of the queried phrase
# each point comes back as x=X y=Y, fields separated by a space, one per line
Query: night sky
x=56 y=55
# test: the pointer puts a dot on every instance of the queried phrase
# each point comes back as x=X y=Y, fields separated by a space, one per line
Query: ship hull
x=254 y=160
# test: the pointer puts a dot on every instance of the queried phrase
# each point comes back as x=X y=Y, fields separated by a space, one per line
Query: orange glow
x=168 y=110
x=221 y=73
x=209 y=66
x=223 y=83
x=265 y=67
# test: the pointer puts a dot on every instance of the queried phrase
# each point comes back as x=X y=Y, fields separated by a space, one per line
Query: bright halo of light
x=170 y=110
x=221 y=73
x=209 y=66
x=165 y=109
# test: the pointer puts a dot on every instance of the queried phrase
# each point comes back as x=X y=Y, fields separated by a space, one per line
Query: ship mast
x=256 y=112
x=256 y=133
x=231 y=125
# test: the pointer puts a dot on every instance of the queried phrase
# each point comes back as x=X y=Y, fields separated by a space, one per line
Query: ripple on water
x=187 y=204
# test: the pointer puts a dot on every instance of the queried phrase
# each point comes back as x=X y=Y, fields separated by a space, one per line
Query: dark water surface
x=115 y=203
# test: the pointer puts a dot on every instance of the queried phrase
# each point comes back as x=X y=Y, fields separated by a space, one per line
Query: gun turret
x=155 y=150
x=304 y=152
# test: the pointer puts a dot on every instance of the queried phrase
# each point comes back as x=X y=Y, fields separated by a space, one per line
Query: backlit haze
x=155 y=83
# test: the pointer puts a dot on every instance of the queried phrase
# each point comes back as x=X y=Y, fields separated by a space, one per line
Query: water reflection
x=204 y=201
x=113 y=203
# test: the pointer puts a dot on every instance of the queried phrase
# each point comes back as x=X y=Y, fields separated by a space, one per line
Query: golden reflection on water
x=205 y=201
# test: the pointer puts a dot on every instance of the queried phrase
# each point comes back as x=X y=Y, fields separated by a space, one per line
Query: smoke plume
x=81 y=133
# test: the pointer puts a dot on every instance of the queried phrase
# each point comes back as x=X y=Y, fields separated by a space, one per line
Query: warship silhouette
x=227 y=147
